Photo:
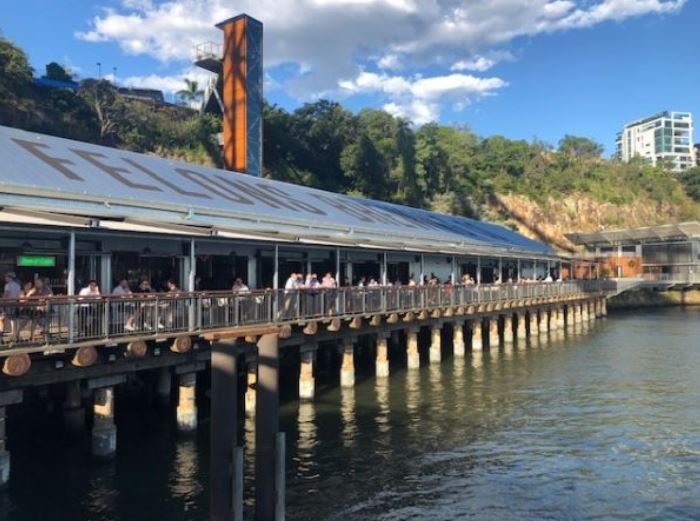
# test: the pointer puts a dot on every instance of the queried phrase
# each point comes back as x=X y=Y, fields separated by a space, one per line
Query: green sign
x=36 y=261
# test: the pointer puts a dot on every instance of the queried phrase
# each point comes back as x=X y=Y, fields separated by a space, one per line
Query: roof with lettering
x=69 y=178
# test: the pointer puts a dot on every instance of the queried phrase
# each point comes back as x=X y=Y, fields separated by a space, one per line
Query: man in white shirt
x=87 y=318
x=12 y=290
x=289 y=299
x=291 y=282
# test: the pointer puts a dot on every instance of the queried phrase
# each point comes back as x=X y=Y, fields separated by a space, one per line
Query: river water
x=598 y=426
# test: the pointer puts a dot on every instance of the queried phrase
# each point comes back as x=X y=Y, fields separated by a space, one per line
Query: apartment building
x=664 y=138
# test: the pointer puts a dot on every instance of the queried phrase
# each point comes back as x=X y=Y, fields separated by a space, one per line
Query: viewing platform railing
x=49 y=323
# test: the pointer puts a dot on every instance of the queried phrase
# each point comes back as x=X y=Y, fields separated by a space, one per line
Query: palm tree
x=192 y=93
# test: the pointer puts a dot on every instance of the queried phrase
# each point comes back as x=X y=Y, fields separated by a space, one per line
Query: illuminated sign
x=36 y=261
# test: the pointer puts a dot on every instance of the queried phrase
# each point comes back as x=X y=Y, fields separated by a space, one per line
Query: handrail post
x=105 y=317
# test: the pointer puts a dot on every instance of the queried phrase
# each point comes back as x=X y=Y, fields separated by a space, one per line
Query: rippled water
x=598 y=426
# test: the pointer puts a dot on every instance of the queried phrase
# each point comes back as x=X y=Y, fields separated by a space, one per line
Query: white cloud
x=330 y=40
x=417 y=98
x=390 y=61
x=482 y=63
x=418 y=111
x=478 y=63
x=167 y=83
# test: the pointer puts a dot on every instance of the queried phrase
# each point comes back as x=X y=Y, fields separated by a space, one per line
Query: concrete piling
x=104 y=431
x=382 y=359
x=251 y=387
x=458 y=339
x=508 y=328
x=493 y=333
x=544 y=321
x=534 y=323
x=477 y=336
x=6 y=398
x=73 y=410
x=347 y=368
x=163 y=386
x=307 y=383
x=412 y=353
x=187 y=404
x=435 y=344
x=4 y=453
x=522 y=331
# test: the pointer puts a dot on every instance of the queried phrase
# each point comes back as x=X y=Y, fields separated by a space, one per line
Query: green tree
x=15 y=72
x=580 y=147
x=321 y=132
x=690 y=179
x=191 y=92
x=405 y=170
x=366 y=166
x=57 y=72
x=102 y=97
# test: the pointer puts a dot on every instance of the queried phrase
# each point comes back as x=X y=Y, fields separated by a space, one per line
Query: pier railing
x=64 y=321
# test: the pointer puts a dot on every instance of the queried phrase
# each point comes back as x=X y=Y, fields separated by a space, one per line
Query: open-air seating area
x=64 y=320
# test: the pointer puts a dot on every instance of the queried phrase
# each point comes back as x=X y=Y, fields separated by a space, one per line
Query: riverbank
x=644 y=298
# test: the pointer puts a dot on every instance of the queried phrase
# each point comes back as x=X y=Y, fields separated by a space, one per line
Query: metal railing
x=675 y=278
x=65 y=321
x=208 y=50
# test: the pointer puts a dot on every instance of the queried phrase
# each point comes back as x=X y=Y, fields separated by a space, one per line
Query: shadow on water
x=599 y=423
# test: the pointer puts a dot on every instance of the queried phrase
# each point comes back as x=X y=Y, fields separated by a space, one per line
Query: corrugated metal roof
x=51 y=174
x=662 y=232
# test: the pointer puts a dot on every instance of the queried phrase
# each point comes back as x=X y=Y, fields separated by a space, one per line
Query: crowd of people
x=25 y=308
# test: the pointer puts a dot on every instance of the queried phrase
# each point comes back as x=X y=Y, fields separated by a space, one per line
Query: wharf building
x=73 y=212
x=665 y=253
x=665 y=138
x=142 y=255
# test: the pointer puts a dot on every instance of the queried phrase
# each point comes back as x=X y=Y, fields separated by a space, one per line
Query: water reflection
x=381 y=388
x=599 y=426
x=347 y=415
x=412 y=397
x=477 y=359
x=102 y=492
x=307 y=441
x=435 y=379
x=184 y=477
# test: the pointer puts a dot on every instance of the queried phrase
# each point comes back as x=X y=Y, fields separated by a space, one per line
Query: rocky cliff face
x=580 y=213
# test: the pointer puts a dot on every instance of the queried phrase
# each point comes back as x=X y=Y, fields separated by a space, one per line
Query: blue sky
x=520 y=68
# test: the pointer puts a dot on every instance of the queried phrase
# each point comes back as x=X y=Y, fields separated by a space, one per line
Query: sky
x=525 y=69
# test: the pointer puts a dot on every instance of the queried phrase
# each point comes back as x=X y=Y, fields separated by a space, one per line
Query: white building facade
x=665 y=138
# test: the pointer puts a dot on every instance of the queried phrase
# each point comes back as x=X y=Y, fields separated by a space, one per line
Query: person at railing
x=146 y=307
x=124 y=311
x=433 y=289
x=24 y=311
x=411 y=280
x=329 y=284
x=40 y=292
x=240 y=288
x=309 y=298
x=88 y=320
x=173 y=306
x=9 y=312
x=290 y=295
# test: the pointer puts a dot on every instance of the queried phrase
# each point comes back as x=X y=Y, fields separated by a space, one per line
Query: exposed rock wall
x=577 y=212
